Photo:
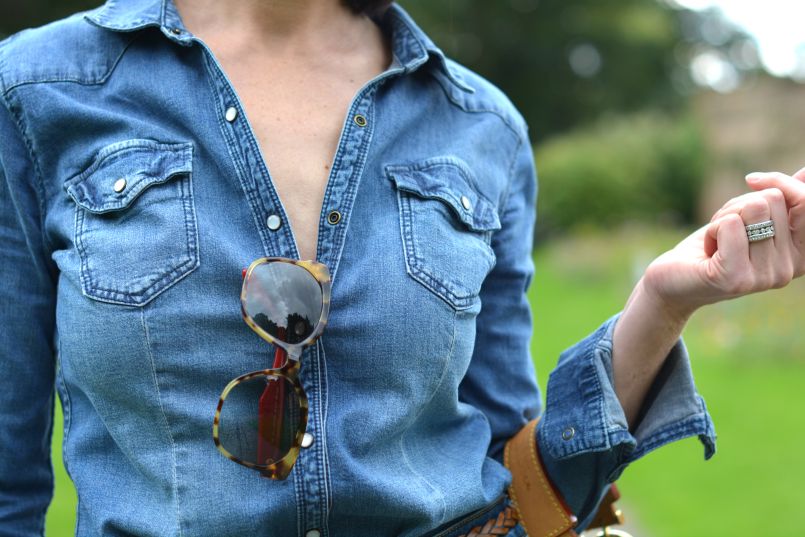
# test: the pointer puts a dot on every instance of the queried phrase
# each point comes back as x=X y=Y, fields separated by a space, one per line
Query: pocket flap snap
x=123 y=170
x=448 y=180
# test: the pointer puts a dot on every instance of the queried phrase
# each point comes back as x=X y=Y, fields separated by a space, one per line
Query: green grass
x=749 y=364
x=61 y=514
x=748 y=360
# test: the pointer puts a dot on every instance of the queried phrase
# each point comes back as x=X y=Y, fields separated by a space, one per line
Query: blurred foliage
x=647 y=166
x=16 y=15
x=564 y=63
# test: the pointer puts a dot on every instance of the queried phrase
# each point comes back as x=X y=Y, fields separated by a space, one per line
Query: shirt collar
x=410 y=45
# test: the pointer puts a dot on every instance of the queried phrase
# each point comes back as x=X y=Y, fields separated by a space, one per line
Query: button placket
x=311 y=478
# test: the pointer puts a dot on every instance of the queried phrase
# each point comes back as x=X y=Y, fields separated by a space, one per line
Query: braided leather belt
x=506 y=520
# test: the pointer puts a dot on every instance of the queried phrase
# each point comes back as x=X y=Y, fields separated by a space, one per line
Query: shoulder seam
x=94 y=82
x=506 y=121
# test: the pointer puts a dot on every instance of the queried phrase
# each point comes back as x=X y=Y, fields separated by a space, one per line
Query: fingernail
x=754 y=176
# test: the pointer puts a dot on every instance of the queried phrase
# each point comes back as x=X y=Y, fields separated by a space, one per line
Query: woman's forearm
x=644 y=335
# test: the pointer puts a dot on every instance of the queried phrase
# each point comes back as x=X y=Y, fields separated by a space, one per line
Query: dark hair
x=370 y=7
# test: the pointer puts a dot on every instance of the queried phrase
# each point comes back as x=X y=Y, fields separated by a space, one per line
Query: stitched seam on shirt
x=323 y=513
x=175 y=484
x=504 y=200
x=39 y=187
x=254 y=202
x=506 y=121
x=162 y=12
x=354 y=177
x=325 y=406
x=83 y=82
x=442 y=376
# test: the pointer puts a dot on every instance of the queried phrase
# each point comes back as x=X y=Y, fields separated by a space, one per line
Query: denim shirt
x=132 y=194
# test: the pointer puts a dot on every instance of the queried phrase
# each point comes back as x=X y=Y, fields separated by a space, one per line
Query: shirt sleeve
x=583 y=437
x=27 y=317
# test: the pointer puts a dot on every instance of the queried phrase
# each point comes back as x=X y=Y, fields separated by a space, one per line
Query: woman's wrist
x=671 y=311
x=644 y=334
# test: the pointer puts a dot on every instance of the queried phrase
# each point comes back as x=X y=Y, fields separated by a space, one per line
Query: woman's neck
x=303 y=26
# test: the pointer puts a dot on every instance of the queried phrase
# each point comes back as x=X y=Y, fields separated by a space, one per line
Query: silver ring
x=760 y=231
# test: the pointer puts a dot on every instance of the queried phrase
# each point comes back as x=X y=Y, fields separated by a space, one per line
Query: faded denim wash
x=132 y=291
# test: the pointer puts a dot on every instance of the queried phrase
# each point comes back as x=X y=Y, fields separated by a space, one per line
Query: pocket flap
x=123 y=170
x=449 y=180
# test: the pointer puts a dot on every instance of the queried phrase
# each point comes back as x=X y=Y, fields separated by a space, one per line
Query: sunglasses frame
x=290 y=369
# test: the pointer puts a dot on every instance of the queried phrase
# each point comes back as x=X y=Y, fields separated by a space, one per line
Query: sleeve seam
x=39 y=187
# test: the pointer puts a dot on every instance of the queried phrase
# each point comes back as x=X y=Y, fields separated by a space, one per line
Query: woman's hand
x=717 y=262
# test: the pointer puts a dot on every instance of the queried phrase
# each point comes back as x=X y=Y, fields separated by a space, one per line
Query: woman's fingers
x=726 y=239
x=794 y=192
x=800 y=175
x=739 y=266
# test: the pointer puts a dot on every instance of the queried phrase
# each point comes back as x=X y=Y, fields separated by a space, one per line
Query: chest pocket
x=446 y=226
x=135 y=224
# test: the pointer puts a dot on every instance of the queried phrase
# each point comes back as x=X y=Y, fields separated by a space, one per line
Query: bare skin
x=296 y=65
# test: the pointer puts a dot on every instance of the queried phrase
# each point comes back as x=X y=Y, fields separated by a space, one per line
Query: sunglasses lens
x=283 y=299
x=259 y=419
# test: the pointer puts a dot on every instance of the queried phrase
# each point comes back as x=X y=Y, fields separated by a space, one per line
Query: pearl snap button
x=231 y=114
x=465 y=201
x=568 y=433
x=273 y=222
x=307 y=440
x=120 y=185
x=313 y=533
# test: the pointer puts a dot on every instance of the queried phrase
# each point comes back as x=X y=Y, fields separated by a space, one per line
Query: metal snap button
x=231 y=114
x=333 y=217
x=307 y=440
x=120 y=185
x=360 y=120
x=273 y=222
x=465 y=201
x=568 y=433
x=176 y=31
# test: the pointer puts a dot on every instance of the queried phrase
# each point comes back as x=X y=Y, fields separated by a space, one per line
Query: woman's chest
x=297 y=117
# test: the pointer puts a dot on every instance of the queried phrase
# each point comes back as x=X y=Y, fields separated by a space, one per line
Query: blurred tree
x=15 y=15
x=564 y=63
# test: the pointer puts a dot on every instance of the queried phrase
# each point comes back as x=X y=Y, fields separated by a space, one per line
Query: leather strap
x=500 y=525
x=541 y=511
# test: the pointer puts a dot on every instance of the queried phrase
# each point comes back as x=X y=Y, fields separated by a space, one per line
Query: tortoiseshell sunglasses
x=286 y=302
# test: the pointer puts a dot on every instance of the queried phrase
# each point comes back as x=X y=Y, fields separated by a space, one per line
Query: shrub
x=646 y=167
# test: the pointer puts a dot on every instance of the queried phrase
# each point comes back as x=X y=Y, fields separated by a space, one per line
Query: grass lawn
x=748 y=358
x=749 y=365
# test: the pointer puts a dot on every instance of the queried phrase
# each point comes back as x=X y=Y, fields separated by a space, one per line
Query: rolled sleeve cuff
x=584 y=428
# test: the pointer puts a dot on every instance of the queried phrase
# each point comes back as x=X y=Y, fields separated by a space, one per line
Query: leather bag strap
x=541 y=511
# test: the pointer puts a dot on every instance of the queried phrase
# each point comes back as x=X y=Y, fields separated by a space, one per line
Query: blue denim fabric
x=128 y=302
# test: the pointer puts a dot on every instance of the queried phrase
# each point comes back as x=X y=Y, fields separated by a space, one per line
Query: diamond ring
x=760 y=231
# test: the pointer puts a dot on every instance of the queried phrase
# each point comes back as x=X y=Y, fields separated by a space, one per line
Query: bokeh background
x=645 y=116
